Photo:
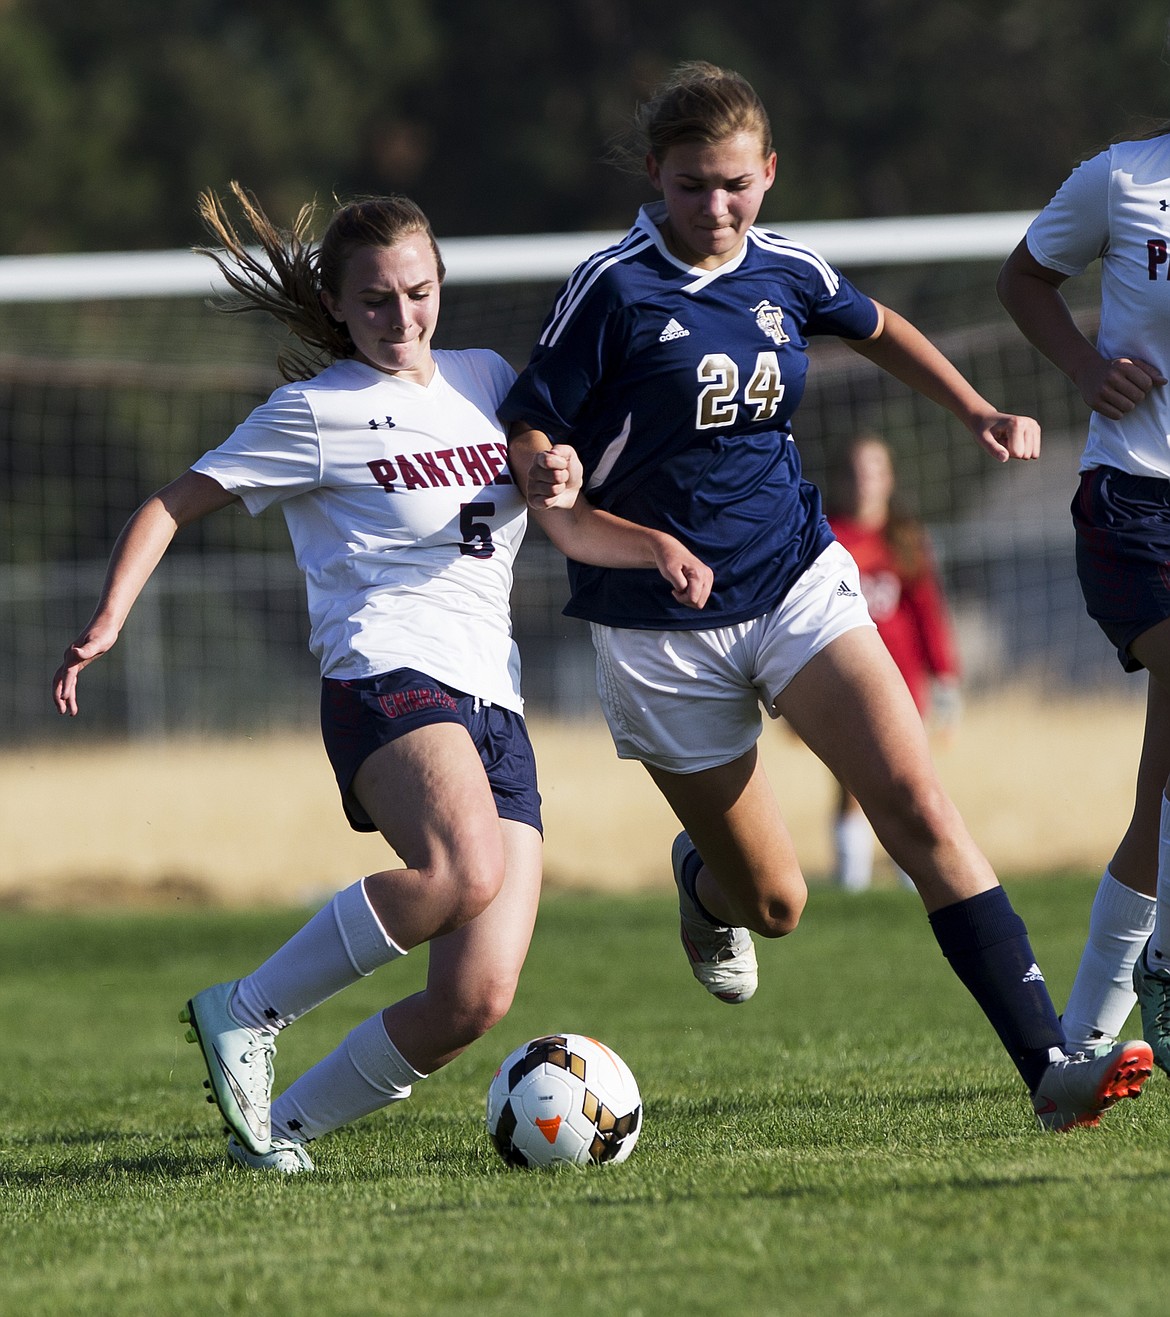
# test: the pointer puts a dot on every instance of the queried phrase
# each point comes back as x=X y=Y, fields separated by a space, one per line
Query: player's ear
x=653 y=171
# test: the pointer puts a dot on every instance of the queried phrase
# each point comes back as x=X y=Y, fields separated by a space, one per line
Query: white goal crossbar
x=529 y=257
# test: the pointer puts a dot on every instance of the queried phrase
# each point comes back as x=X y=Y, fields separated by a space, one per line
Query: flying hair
x=282 y=272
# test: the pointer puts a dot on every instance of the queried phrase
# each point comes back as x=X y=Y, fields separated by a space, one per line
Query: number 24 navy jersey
x=677 y=386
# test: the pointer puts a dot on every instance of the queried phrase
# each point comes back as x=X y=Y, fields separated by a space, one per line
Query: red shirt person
x=901 y=586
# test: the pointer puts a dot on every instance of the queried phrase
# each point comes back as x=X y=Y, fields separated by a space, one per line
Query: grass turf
x=853 y=1138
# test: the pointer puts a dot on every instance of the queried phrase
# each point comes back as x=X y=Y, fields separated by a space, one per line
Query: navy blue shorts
x=1123 y=553
x=358 y=717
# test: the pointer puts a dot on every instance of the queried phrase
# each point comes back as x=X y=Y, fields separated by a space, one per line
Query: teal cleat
x=239 y=1065
x=1153 y=993
x=722 y=958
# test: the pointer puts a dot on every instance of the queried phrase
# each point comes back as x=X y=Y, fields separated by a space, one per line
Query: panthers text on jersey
x=677 y=387
x=402 y=514
x=1116 y=207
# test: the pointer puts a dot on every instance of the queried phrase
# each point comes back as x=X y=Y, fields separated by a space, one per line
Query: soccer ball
x=563 y=1099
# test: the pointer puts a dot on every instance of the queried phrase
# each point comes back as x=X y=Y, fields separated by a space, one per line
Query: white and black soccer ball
x=563 y=1099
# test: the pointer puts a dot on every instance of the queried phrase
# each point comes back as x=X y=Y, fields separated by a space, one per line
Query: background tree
x=497 y=117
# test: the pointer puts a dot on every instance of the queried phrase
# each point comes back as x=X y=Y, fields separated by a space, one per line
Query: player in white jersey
x=391 y=469
x=662 y=389
x=1114 y=208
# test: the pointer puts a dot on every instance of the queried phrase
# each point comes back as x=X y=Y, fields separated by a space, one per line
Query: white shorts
x=684 y=701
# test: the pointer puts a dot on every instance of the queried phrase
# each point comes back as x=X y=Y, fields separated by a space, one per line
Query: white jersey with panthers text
x=1116 y=207
x=402 y=515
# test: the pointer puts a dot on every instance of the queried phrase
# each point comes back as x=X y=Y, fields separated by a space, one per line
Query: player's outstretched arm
x=907 y=354
x=136 y=553
x=550 y=476
x=1030 y=293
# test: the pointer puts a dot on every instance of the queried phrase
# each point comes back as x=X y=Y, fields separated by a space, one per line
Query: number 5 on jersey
x=477 y=535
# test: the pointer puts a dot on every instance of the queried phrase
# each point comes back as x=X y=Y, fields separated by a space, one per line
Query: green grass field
x=852 y=1140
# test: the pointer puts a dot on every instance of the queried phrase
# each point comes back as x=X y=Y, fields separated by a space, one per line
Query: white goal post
x=515 y=258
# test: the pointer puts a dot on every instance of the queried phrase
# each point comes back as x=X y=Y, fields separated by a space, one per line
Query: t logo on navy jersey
x=771 y=320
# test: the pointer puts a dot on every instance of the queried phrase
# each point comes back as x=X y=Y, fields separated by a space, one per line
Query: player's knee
x=778 y=914
x=470 y=1011
x=471 y=877
x=920 y=812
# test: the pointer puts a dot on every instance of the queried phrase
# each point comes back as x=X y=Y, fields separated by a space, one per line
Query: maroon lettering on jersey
x=383 y=472
x=447 y=457
x=475 y=466
x=1155 y=256
x=409 y=476
x=431 y=469
x=505 y=476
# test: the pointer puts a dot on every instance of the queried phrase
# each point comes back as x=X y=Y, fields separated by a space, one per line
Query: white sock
x=343 y=942
x=1102 y=994
x=853 y=842
x=1159 y=953
x=365 y=1073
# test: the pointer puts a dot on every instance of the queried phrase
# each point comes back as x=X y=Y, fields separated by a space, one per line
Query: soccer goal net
x=115 y=374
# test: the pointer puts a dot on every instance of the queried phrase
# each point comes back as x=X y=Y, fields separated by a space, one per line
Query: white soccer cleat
x=285 y=1155
x=239 y=1065
x=1076 y=1089
x=723 y=958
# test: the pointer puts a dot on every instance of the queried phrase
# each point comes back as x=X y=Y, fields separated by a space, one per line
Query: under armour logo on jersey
x=386 y=423
x=1033 y=975
x=1161 y=205
x=673 y=330
x=770 y=320
x=844 y=592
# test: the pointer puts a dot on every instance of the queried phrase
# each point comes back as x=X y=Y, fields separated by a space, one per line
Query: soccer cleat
x=239 y=1065
x=722 y=958
x=1153 y=993
x=1076 y=1089
x=283 y=1155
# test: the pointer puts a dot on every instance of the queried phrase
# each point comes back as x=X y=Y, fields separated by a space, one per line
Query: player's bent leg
x=429 y=797
x=472 y=977
x=852 y=708
x=473 y=972
x=735 y=869
x=750 y=874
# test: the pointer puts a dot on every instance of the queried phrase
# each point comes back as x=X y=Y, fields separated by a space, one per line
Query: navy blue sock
x=690 y=876
x=987 y=946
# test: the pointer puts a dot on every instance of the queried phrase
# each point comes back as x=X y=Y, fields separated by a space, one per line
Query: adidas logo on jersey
x=673 y=330
x=844 y=592
x=1033 y=975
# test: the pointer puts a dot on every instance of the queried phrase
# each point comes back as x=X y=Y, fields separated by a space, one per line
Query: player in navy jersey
x=1113 y=208
x=390 y=466
x=663 y=389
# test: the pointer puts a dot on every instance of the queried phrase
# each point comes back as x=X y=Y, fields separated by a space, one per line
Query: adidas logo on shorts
x=673 y=330
x=844 y=592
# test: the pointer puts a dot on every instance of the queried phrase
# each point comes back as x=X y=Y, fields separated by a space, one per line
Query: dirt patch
x=1042 y=784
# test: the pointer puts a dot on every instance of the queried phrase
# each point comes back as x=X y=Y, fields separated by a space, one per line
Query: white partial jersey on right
x=402 y=515
x=1116 y=207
